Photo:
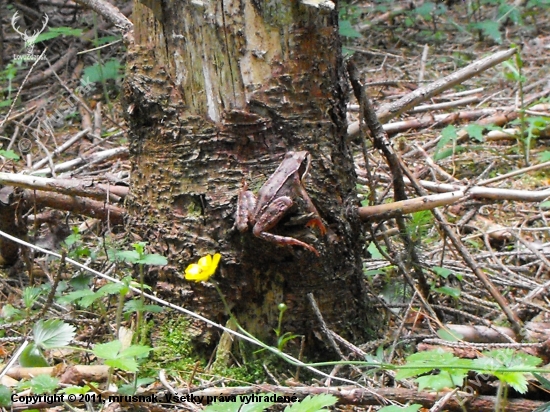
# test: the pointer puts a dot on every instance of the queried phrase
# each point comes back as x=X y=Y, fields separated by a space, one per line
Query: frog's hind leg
x=286 y=240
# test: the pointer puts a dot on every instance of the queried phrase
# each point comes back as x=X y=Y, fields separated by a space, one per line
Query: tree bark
x=218 y=91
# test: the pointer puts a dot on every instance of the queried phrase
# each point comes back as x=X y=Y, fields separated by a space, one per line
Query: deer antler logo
x=30 y=40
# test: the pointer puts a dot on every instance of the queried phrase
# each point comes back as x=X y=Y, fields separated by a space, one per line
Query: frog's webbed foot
x=318 y=223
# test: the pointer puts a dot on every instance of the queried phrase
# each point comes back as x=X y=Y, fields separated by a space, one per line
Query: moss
x=251 y=372
x=173 y=345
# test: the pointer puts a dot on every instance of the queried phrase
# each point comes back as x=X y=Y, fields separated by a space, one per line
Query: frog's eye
x=304 y=166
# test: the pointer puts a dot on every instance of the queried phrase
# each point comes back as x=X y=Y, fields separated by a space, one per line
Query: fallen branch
x=90 y=373
x=357 y=396
x=390 y=210
x=394 y=109
x=62 y=148
x=77 y=205
x=109 y=12
x=119 y=152
x=347 y=395
x=488 y=192
x=71 y=187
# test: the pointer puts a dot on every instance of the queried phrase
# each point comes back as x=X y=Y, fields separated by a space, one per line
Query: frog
x=276 y=198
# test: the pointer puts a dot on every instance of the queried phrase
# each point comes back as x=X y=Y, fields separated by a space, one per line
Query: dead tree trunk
x=218 y=91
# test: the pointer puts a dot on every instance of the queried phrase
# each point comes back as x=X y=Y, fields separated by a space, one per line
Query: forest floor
x=483 y=290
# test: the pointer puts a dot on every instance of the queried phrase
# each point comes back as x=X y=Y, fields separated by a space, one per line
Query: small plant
x=54 y=32
x=5 y=396
x=9 y=154
x=101 y=72
x=40 y=384
x=8 y=74
x=449 y=135
x=446 y=290
x=118 y=356
x=74 y=245
x=283 y=338
x=49 y=334
x=139 y=257
x=529 y=127
x=509 y=367
x=261 y=402
x=420 y=224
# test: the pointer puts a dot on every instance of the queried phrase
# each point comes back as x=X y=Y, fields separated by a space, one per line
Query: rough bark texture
x=218 y=91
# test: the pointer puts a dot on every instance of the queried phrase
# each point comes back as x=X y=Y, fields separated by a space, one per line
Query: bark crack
x=227 y=52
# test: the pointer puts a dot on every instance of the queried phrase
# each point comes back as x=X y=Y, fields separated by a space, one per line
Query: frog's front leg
x=246 y=204
x=269 y=219
x=315 y=220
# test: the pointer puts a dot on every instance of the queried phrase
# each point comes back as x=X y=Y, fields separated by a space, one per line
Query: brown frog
x=275 y=199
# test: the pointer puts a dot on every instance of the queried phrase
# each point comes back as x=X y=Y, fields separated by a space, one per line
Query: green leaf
x=54 y=32
x=135 y=351
x=44 y=384
x=448 y=152
x=242 y=405
x=9 y=312
x=74 y=296
x=347 y=30
x=449 y=335
x=442 y=272
x=489 y=28
x=9 y=154
x=313 y=403
x=448 y=134
x=107 y=350
x=346 y=52
x=75 y=390
x=5 y=396
x=106 y=40
x=419 y=224
x=544 y=156
x=425 y=10
x=102 y=72
x=138 y=306
x=153 y=259
x=393 y=408
x=30 y=295
x=111 y=289
x=87 y=301
x=449 y=291
x=509 y=359
x=126 y=364
x=439 y=382
x=475 y=131
x=511 y=72
x=545 y=383
x=452 y=374
x=130 y=256
x=543 y=408
x=509 y=11
x=374 y=252
x=373 y=272
x=53 y=333
x=118 y=358
x=32 y=357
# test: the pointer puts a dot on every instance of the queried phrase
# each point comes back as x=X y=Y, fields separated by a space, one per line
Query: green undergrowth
x=177 y=351
x=174 y=347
